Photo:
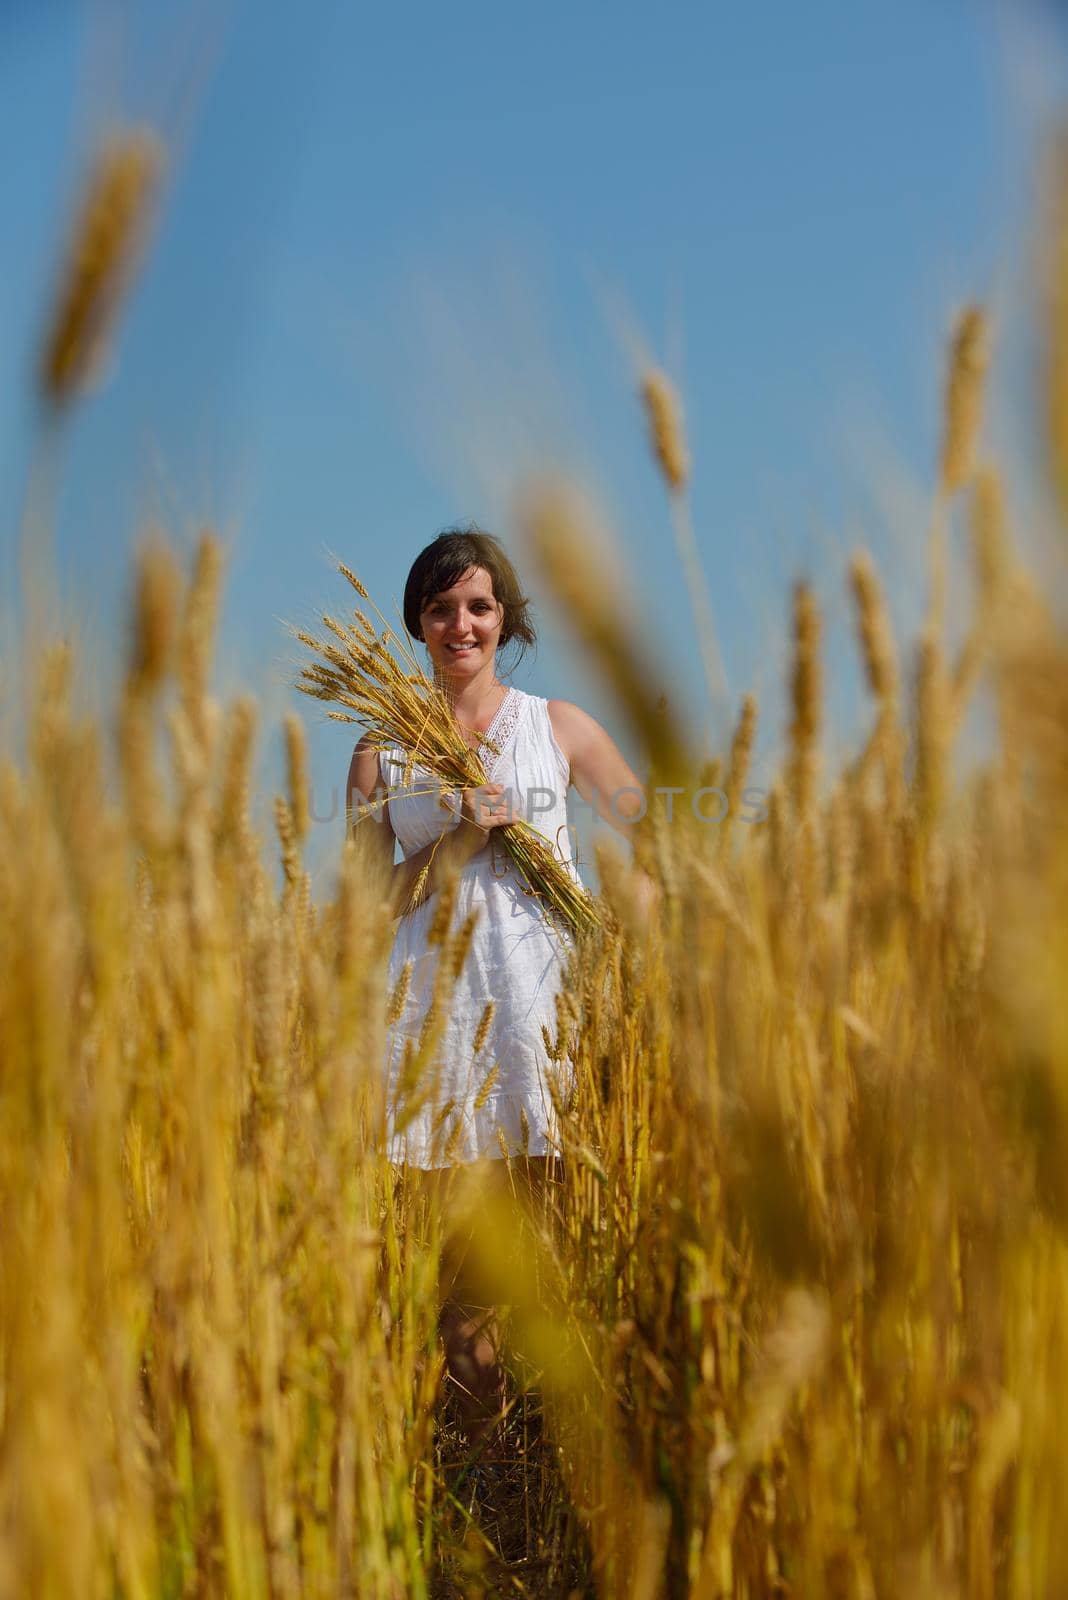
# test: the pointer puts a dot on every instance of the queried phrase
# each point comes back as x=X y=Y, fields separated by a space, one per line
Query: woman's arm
x=599 y=770
x=602 y=776
x=450 y=853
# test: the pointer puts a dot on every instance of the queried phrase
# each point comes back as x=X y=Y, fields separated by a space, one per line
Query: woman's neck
x=475 y=702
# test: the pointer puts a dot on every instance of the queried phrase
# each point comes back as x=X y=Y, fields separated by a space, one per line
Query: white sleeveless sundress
x=515 y=959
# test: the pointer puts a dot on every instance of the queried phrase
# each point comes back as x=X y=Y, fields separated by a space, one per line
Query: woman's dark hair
x=444 y=562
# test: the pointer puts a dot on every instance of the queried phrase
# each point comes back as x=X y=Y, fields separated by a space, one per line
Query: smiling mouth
x=461 y=649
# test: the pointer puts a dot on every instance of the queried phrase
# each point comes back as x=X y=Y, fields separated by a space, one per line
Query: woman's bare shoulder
x=571 y=725
x=366 y=760
x=565 y=710
x=559 y=719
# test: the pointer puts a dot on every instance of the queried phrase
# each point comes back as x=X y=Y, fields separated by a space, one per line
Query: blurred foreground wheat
x=797 y=1320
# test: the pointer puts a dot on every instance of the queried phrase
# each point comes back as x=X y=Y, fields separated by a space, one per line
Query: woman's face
x=461 y=625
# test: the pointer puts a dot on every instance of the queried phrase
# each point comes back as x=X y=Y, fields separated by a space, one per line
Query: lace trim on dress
x=500 y=731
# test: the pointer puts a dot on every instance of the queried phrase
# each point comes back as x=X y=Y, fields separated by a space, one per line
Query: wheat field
x=795 y=1322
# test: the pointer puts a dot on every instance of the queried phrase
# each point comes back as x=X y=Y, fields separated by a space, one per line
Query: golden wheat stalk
x=663 y=411
x=108 y=240
x=580 y=567
x=873 y=625
x=482 y=1032
x=806 y=696
x=297 y=770
x=879 y=653
x=667 y=438
x=968 y=362
x=741 y=754
x=932 y=726
x=991 y=564
x=487 y=1086
x=969 y=358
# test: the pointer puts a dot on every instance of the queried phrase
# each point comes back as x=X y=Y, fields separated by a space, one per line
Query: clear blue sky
x=395 y=259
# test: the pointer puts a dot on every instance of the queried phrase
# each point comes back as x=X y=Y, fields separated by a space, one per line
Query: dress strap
x=501 y=730
x=549 y=738
x=388 y=762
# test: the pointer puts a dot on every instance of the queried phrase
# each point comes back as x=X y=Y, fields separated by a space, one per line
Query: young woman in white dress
x=464 y=601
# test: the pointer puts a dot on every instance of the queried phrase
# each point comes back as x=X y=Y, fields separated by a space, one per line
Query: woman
x=464 y=601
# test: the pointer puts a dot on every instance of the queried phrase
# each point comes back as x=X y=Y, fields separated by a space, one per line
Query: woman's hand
x=486 y=807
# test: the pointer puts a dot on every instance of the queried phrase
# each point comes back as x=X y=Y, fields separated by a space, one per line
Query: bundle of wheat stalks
x=399 y=705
